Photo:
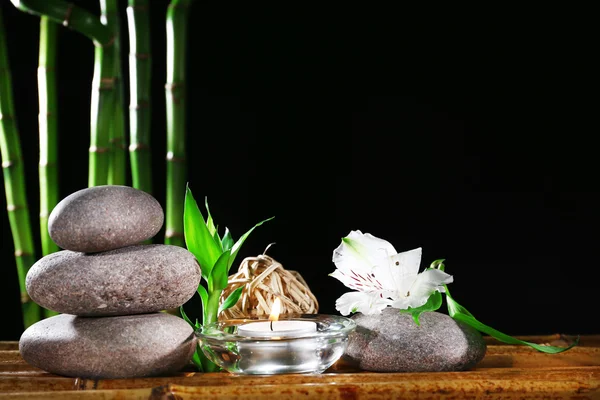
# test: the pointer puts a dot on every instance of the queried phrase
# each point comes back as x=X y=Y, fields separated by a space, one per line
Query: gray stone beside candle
x=104 y=218
x=393 y=342
x=132 y=280
x=110 y=347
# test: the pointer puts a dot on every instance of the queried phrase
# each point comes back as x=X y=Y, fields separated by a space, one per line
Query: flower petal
x=361 y=302
x=426 y=283
x=401 y=303
x=355 y=259
x=363 y=249
x=400 y=270
x=379 y=248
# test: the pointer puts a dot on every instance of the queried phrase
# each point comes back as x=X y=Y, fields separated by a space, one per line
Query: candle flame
x=275 y=310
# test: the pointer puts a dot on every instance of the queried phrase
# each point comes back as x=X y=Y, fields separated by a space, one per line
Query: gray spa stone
x=112 y=347
x=104 y=218
x=132 y=280
x=392 y=342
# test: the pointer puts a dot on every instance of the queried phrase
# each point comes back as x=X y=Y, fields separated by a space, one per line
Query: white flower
x=381 y=276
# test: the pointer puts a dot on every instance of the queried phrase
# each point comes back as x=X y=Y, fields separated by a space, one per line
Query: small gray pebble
x=104 y=218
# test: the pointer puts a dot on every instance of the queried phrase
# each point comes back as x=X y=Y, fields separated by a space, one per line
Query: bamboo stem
x=140 y=65
x=70 y=16
x=47 y=129
x=116 y=171
x=103 y=84
x=177 y=21
x=14 y=184
x=48 y=173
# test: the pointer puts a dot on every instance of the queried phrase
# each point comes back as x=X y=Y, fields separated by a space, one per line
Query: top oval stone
x=104 y=218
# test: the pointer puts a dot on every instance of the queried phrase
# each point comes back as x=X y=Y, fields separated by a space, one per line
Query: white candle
x=276 y=328
x=282 y=329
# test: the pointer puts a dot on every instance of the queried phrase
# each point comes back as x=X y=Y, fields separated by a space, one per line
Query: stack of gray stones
x=110 y=290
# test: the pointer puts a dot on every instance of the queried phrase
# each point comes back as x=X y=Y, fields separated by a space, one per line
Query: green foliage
x=434 y=302
x=216 y=255
x=232 y=299
x=198 y=239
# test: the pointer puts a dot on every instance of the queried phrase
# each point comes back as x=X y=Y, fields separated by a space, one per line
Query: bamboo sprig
x=48 y=172
x=177 y=22
x=138 y=19
x=103 y=83
x=47 y=129
x=14 y=184
x=116 y=172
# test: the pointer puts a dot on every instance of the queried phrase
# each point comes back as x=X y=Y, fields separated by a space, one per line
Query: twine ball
x=264 y=280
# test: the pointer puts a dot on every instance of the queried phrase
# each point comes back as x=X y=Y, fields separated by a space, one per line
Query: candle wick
x=271 y=326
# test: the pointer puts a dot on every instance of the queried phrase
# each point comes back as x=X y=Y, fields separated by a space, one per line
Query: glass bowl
x=292 y=352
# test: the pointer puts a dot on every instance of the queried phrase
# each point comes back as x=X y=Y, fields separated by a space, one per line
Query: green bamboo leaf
x=210 y=224
x=197 y=358
x=204 y=297
x=434 y=302
x=217 y=239
x=231 y=299
x=198 y=239
x=236 y=247
x=227 y=240
x=218 y=276
x=185 y=317
x=460 y=313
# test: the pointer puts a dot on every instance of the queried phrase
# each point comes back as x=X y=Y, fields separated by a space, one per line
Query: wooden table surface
x=506 y=372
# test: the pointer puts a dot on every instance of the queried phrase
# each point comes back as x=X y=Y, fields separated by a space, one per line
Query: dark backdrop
x=461 y=131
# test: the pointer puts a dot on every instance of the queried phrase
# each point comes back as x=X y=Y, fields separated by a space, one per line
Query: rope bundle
x=265 y=279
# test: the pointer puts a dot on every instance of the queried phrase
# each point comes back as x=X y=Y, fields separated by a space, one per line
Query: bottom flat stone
x=110 y=347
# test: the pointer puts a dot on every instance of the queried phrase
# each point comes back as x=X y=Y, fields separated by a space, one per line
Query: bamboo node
x=8 y=163
x=46 y=163
x=263 y=280
x=141 y=104
x=96 y=149
x=170 y=233
x=140 y=56
x=68 y=15
x=171 y=157
x=138 y=146
x=139 y=7
x=107 y=83
x=6 y=116
x=172 y=86
x=13 y=207
x=25 y=298
x=21 y=253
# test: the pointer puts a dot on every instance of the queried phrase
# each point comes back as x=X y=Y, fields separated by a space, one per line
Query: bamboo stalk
x=103 y=105
x=140 y=65
x=116 y=172
x=177 y=21
x=14 y=184
x=48 y=173
x=103 y=83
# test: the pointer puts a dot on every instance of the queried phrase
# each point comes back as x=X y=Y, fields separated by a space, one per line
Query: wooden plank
x=431 y=388
x=507 y=371
x=9 y=346
x=53 y=383
x=218 y=379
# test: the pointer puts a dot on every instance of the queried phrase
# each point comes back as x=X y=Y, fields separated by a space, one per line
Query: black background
x=467 y=132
